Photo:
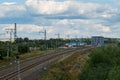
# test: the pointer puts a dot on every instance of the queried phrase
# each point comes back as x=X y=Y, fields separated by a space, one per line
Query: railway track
x=23 y=63
x=25 y=68
x=14 y=73
x=29 y=59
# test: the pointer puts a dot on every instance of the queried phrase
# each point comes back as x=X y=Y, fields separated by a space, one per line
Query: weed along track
x=12 y=75
x=67 y=68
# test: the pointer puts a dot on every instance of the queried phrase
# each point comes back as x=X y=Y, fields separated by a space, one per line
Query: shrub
x=61 y=75
x=104 y=64
x=114 y=73
x=23 y=48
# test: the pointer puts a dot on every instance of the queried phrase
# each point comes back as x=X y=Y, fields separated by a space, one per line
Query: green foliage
x=95 y=73
x=24 y=44
x=103 y=65
x=26 y=39
x=3 y=49
x=97 y=58
x=118 y=44
x=43 y=47
x=23 y=48
x=61 y=75
x=114 y=73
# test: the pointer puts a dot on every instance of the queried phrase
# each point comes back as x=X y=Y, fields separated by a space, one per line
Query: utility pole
x=9 y=31
x=58 y=35
x=57 y=42
x=15 y=33
x=68 y=36
x=17 y=54
x=45 y=34
x=45 y=37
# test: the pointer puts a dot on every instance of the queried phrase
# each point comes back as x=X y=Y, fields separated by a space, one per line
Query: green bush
x=103 y=64
x=94 y=73
x=43 y=47
x=23 y=48
x=114 y=73
x=3 y=51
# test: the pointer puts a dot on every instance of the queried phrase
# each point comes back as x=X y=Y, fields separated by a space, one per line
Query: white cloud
x=11 y=10
x=106 y=29
x=29 y=28
x=24 y=27
x=46 y=7
x=71 y=31
x=8 y=3
x=67 y=17
x=69 y=9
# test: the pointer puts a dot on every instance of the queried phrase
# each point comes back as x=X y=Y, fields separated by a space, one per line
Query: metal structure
x=58 y=35
x=45 y=37
x=9 y=31
x=14 y=31
x=45 y=34
x=97 y=41
x=57 y=41
x=17 y=54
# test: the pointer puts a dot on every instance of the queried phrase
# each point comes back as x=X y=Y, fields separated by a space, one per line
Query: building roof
x=97 y=37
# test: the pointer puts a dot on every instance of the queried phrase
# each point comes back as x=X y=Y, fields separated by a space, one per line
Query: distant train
x=75 y=44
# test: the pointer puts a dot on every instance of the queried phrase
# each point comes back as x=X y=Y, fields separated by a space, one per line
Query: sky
x=76 y=18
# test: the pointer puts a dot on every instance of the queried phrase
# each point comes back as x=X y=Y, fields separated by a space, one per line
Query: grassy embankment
x=67 y=68
x=100 y=64
x=103 y=64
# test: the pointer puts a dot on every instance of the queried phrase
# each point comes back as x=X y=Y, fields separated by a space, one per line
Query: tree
x=26 y=39
x=1 y=58
x=23 y=48
x=19 y=40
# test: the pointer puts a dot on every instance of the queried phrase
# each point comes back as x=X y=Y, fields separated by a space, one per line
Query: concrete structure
x=97 y=41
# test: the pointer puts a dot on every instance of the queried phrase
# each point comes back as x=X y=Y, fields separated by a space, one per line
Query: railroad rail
x=25 y=68
x=30 y=59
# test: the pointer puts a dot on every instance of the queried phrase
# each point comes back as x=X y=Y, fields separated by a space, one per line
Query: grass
x=35 y=53
x=68 y=68
x=4 y=62
x=31 y=54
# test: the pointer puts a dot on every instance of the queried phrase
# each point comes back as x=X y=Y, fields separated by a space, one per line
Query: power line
x=45 y=37
x=14 y=30
x=45 y=34
x=17 y=55
x=58 y=35
x=9 y=31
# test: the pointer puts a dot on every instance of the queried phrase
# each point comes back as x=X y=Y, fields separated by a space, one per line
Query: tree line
x=24 y=44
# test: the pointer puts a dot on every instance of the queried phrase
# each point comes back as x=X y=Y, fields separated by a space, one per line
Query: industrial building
x=97 y=41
